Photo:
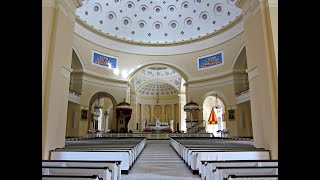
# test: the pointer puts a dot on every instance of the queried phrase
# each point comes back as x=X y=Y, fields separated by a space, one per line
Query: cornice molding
x=232 y=77
x=100 y=77
x=152 y=102
x=97 y=79
x=215 y=76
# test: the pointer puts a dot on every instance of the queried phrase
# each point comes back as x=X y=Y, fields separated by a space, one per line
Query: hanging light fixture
x=217 y=106
x=97 y=107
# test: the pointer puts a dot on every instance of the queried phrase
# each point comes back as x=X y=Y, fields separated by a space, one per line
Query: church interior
x=159 y=89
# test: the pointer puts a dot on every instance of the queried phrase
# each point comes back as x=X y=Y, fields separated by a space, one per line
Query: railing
x=194 y=128
x=74 y=92
x=242 y=92
x=149 y=135
x=74 y=96
x=243 y=96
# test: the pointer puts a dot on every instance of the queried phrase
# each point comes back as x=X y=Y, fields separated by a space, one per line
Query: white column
x=182 y=113
x=58 y=21
x=152 y=106
x=107 y=123
x=162 y=112
x=172 y=111
x=142 y=118
x=143 y=124
x=136 y=116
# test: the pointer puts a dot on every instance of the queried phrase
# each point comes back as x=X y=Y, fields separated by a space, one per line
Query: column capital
x=250 y=7
x=68 y=7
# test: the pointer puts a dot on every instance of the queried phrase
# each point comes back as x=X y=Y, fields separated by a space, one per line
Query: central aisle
x=158 y=161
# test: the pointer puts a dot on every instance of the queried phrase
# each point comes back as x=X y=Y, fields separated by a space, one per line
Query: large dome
x=158 y=21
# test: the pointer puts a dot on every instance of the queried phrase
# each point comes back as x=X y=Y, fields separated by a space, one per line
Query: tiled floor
x=159 y=161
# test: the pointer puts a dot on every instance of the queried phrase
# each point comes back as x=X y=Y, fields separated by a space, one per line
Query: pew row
x=253 y=177
x=220 y=151
x=114 y=166
x=103 y=172
x=221 y=173
x=103 y=151
x=207 y=167
x=69 y=177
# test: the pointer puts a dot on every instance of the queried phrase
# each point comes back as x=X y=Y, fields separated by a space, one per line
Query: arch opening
x=215 y=104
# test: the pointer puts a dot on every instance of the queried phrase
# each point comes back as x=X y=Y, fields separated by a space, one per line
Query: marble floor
x=158 y=161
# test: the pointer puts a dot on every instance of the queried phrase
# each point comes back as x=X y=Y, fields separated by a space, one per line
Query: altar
x=158 y=126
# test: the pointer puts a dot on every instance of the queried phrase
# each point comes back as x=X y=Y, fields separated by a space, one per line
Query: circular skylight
x=165 y=21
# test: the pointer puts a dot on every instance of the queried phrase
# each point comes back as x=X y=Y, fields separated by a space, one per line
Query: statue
x=171 y=124
x=158 y=122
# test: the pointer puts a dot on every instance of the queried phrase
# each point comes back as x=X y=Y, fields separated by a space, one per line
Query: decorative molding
x=214 y=76
x=185 y=75
x=100 y=77
x=162 y=103
x=234 y=78
x=103 y=81
x=253 y=72
x=167 y=49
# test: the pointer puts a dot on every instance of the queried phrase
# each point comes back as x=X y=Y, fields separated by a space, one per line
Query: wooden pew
x=69 y=177
x=113 y=165
x=253 y=177
x=188 y=153
x=223 y=172
x=103 y=172
x=123 y=156
x=192 y=154
x=207 y=166
x=197 y=157
x=102 y=149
